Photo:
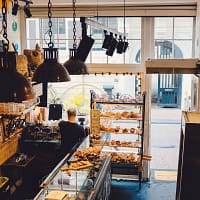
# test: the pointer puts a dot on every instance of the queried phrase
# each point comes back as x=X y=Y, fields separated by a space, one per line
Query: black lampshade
x=14 y=87
x=75 y=66
x=51 y=70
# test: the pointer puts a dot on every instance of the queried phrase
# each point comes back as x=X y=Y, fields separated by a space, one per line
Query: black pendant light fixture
x=14 y=87
x=74 y=65
x=50 y=70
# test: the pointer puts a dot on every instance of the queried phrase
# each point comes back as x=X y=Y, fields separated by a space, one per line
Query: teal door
x=169 y=85
x=169 y=90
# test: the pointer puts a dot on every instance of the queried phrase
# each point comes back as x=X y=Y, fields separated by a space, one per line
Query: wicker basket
x=8 y=148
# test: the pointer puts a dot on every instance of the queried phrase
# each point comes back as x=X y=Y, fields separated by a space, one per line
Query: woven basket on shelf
x=8 y=148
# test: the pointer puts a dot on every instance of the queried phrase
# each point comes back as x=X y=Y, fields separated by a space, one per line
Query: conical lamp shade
x=75 y=66
x=14 y=87
x=50 y=70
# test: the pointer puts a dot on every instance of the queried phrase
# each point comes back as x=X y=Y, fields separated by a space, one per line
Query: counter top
x=12 y=161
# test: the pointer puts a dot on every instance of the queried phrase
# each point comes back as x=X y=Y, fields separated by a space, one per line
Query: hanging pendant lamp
x=14 y=87
x=51 y=70
x=74 y=65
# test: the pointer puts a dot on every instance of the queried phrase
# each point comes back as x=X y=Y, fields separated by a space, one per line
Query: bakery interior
x=131 y=70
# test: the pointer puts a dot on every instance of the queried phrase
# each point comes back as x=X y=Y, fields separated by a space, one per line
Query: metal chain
x=74 y=23
x=50 y=44
x=4 y=23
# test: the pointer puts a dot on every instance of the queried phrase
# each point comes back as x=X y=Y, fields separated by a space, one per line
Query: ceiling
x=114 y=2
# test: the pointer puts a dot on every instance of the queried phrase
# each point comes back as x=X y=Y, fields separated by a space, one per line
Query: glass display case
x=82 y=175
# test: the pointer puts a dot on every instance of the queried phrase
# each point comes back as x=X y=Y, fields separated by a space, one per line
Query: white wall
x=13 y=29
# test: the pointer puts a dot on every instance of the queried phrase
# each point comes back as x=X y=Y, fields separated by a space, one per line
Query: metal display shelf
x=118 y=144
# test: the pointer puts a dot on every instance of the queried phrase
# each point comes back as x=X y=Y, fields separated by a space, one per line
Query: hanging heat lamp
x=14 y=87
x=50 y=70
x=74 y=65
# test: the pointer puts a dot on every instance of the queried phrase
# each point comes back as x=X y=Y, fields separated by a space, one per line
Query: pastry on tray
x=56 y=195
x=124 y=130
x=77 y=165
x=125 y=114
x=132 y=130
x=118 y=116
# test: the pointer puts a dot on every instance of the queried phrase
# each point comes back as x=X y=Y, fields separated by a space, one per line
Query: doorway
x=165 y=135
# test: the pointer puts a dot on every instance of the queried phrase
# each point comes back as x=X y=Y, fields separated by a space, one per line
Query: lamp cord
x=50 y=44
x=124 y=22
x=97 y=10
x=74 y=23
x=4 y=24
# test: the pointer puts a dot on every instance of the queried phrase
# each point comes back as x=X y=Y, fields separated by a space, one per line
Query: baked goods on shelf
x=122 y=157
x=119 y=130
x=132 y=130
x=89 y=153
x=122 y=115
x=124 y=130
x=96 y=136
x=100 y=142
x=125 y=114
x=117 y=115
x=116 y=143
x=125 y=144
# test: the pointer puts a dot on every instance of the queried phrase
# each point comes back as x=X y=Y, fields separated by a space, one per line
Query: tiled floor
x=152 y=190
x=165 y=132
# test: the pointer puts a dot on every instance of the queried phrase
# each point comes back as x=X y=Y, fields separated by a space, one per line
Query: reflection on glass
x=163 y=27
x=76 y=93
x=173 y=37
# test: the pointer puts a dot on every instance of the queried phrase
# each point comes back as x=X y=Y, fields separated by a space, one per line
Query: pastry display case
x=118 y=125
x=82 y=175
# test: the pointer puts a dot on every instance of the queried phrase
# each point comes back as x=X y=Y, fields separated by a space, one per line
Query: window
x=62 y=29
x=174 y=37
